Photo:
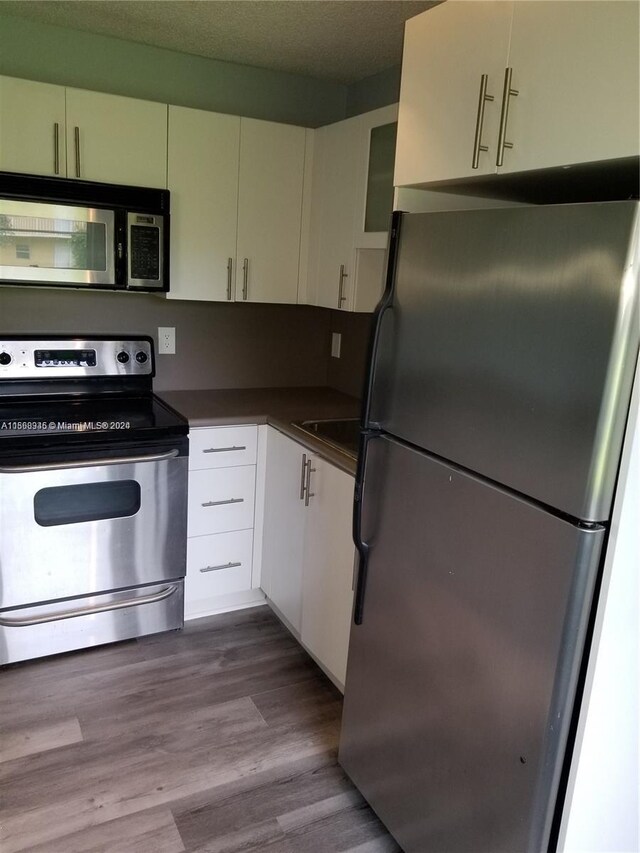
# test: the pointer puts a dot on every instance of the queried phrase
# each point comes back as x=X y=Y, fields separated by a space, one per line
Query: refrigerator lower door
x=462 y=675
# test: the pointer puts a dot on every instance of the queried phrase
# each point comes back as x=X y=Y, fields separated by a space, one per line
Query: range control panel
x=22 y=358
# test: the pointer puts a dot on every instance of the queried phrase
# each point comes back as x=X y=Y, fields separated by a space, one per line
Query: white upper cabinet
x=351 y=204
x=571 y=94
x=451 y=52
x=202 y=174
x=115 y=139
x=74 y=133
x=332 y=213
x=32 y=127
x=269 y=211
x=576 y=68
x=236 y=207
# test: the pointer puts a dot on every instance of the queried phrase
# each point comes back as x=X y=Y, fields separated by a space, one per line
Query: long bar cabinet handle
x=308 y=493
x=223 y=503
x=9 y=622
x=341 y=297
x=219 y=568
x=507 y=93
x=225 y=449
x=56 y=148
x=303 y=471
x=477 y=142
x=76 y=136
x=245 y=278
x=229 y=278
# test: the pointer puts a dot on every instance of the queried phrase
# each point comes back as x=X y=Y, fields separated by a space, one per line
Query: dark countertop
x=275 y=406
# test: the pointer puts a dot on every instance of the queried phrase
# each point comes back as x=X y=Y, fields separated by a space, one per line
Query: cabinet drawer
x=218 y=565
x=222 y=447
x=221 y=500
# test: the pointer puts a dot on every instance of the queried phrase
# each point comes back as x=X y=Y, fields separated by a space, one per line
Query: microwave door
x=48 y=243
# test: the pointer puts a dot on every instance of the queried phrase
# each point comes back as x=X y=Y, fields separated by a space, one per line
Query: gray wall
x=73 y=58
x=218 y=345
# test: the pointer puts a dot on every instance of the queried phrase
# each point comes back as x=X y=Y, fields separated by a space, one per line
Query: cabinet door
x=202 y=175
x=32 y=127
x=374 y=184
x=333 y=217
x=447 y=49
x=283 y=526
x=327 y=594
x=269 y=211
x=575 y=67
x=116 y=140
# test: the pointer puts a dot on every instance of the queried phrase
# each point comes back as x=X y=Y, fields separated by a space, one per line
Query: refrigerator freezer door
x=461 y=677
x=510 y=346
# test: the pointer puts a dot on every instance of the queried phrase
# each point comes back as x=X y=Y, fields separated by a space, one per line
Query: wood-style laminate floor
x=219 y=738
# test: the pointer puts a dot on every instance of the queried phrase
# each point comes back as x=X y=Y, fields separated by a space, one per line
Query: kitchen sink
x=341 y=433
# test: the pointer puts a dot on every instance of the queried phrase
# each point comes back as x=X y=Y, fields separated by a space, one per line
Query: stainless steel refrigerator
x=501 y=370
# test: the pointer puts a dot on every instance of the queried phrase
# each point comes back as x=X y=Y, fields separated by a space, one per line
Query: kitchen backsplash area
x=218 y=345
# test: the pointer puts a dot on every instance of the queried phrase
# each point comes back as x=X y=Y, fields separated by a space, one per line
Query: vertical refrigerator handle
x=386 y=301
x=361 y=546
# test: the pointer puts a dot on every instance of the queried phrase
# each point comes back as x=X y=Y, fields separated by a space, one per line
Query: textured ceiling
x=341 y=40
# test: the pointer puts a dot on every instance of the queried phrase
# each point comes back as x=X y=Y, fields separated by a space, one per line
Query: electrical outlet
x=336 y=340
x=166 y=340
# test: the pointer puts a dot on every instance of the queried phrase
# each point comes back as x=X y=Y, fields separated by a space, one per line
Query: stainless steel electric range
x=93 y=495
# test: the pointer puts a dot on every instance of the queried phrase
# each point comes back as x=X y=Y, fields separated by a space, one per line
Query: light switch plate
x=166 y=340
x=336 y=341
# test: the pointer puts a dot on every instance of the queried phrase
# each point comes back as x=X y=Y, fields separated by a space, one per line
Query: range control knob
x=123 y=357
x=5 y=358
x=142 y=357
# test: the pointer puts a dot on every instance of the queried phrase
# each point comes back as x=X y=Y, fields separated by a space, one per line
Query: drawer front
x=221 y=500
x=218 y=565
x=222 y=447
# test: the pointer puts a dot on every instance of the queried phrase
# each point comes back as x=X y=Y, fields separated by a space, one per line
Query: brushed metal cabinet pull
x=219 y=568
x=56 y=148
x=507 y=93
x=229 y=278
x=225 y=449
x=341 y=297
x=245 y=278
x=223 y=503
x=76 y=136
x=477 y=142
x=303 y=471
x=309 y=494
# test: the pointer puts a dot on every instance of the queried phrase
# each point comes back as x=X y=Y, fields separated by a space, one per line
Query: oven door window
x=86 y=502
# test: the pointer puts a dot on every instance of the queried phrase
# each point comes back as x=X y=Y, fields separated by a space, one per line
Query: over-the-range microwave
x=56 y=232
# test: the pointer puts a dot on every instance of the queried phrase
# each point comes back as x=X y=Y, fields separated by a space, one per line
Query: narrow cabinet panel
x=443 y=123
x=269 y=211
x=327 y=595
x=32 y=127
x=575 y=68
x=117 y=140
x=335 y=173
x=202 y=176
x=283 y=526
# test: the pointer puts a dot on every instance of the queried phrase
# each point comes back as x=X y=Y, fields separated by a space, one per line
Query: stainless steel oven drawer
x=62 y=626
x=91 y=528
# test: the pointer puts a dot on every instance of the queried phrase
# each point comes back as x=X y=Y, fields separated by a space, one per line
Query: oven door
x=75 y=528
x=48 y=243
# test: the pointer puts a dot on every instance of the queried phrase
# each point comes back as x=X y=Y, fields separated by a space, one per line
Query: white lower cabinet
x=222 y=486
x=307 y=552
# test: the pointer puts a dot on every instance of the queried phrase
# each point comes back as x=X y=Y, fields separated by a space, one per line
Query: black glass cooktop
x=47 y=422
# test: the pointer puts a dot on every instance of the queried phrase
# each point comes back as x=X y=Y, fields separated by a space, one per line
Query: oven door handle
x=87 y=611
x=89 y=463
